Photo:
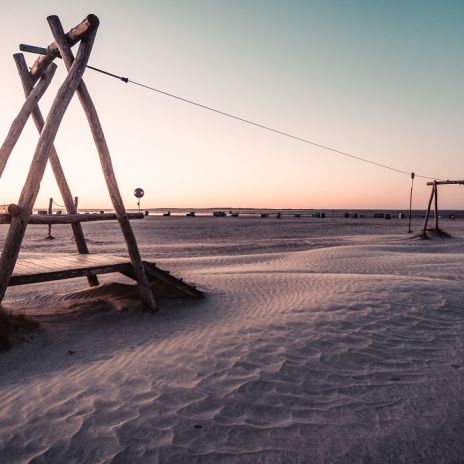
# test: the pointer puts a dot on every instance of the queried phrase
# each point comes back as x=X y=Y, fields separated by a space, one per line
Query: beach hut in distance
x=151 y=280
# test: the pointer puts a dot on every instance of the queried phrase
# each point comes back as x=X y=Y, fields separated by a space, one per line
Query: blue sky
x=381 y=80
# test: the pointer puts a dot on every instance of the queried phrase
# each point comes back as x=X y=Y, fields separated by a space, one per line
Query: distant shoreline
x=285 y=212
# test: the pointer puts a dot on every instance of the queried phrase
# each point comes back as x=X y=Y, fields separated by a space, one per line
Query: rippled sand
x=320 y=341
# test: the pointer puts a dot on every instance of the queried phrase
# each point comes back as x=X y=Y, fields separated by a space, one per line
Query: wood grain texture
x=68 y=218
x=58 y=172
x=77 y=33
x=107 y=166
x=20 y=121
x=10 y=210
x=45 y=268
x=30 y=190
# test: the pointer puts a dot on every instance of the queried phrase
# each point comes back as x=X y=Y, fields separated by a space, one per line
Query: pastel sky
x=380 y=79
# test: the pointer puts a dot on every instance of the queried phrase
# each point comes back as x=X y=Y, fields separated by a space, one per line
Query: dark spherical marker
x=139 y=193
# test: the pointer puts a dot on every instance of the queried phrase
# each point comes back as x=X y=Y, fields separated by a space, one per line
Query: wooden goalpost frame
x=85 y=33
x=434 y=198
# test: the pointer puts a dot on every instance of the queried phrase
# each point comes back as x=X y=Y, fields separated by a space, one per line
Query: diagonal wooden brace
x=20 y=121
x=65 y=191
x=31 y=187
x=108 y=171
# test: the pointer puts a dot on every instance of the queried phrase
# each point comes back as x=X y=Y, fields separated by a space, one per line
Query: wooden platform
x=45 y=268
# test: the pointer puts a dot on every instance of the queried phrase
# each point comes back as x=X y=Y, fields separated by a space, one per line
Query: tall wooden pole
x=146 y=293
x=58 y=172
x=410 y=202
x=30 y=190
x=435 y=186
x=20 y=121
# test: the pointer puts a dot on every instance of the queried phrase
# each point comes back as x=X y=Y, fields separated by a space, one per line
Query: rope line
x=262 y=126
x=271 y=129
x=126 y=80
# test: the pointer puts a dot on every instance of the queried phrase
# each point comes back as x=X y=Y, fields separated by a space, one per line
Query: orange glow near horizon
x=345 y=94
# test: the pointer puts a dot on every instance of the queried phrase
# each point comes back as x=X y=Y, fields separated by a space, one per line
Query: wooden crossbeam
x=446 y=182
x=86 y=27
x=69 y=218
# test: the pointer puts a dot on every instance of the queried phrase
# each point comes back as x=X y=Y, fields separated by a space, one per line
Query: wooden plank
x=87 y=26
x=45 y=268
x=156 y=274
x=107 y=166
x=63 y=262
x=22 y=279
x=446 y=182
x=31 y=187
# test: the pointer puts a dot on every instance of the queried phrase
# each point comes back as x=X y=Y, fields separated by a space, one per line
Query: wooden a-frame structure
x=35 y=82
x=434 y=196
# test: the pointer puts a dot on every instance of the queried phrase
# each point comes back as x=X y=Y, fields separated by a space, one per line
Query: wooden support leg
x=105 y=160
x=424 y=230
x=435 y=186
x=65 y=191
x=30 y=190
x=20 y=121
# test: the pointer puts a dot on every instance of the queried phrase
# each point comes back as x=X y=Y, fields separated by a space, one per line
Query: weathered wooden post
x=410 y=202
x=105 y=159
x=435 y=186
x=28 y=86
x=20 y=121
x=50 y=211
x=30 y=190
x=424 y=230
x=18 y=216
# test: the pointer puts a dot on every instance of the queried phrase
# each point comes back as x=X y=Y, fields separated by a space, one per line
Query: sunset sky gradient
x=382 y=80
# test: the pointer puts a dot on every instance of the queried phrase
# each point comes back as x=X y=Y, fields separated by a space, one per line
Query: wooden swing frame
x=35 y=82
x=434 y=196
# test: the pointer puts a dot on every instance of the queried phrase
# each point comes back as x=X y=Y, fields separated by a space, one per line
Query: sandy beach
x=319 y=341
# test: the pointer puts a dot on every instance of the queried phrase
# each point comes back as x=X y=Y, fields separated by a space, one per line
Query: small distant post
x=410 y=202
x=50 y=211
x=138 y=193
